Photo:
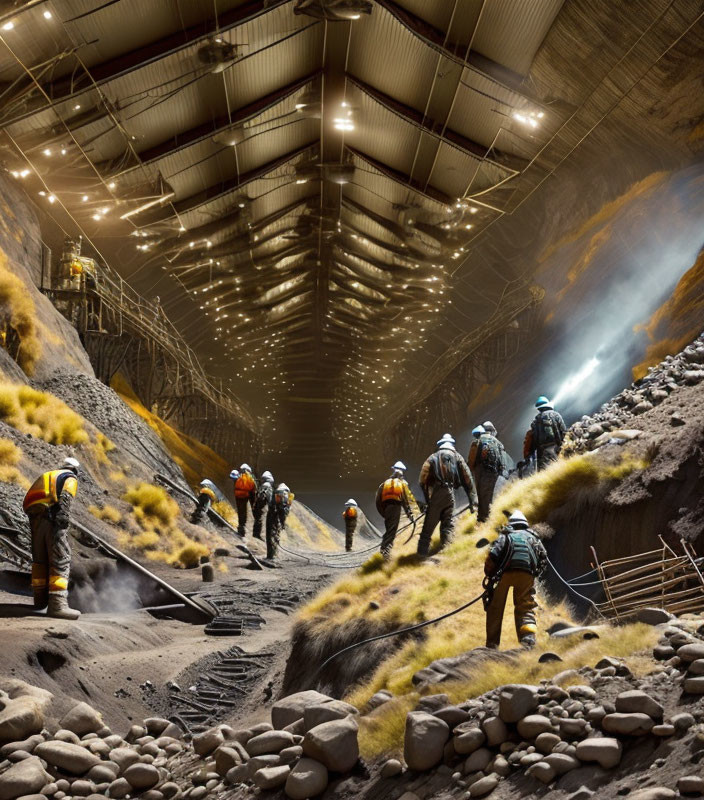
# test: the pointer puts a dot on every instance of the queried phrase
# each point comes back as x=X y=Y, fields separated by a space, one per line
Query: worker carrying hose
x=490 y=468
x=443 y=472
x=351 y=516
x=276 y=518
x=545 y=435
x=245 y=492
x=48 y=506
x=208 y=495
x=262 y=500
x=514 y=561
x=393 y=495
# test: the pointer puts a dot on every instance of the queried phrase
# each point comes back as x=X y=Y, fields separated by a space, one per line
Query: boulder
x=260 y=762
x=325 y=712
x=663 y=730
x=105 y=772
x=606 y=752
x=573 y=728
x=69 y=757
x=682 y=722
x=533 y=725
x=637 y=701
x=690 y=652
x=25 y=777
x=469 y=740
x=691 y=784
x=269 y=742
x=379 y=699
x=20 y=718
x=453 y=715
x=204 y=743
x=542 y=771
x=124 y=757
x=334 y=744
x=156 y=725
x=484 y=786
x=517 y=701
x=271 y=777
x=546 y=742
x=292 y=708
x=561 y=762
x=26 y=745
x=238 y=774
x=478 y=761
x=308 y=778
x=424 y=740
x=635 y=724
x=391 y=768
x=495 y=730
x=653 y=793
x=226 y=758
x=696 y=667
x=142 y=776
x=653 y=616
x=694 y=685
x=119 y=788
x=82 y=719
x=289 y=755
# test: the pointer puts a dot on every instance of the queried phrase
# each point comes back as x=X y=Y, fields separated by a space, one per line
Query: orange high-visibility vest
x=244 y=485
x=350 y=513
x=392 y=489
x=44 y=491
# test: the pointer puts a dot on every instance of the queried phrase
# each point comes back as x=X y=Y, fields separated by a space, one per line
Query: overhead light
x=527 y=118
x=8 y=26
x=77 y=107
x=47 y=15
x=149 y=204
x=84 y=199
x=111 y=185
x=46 y=151
x=51 y=198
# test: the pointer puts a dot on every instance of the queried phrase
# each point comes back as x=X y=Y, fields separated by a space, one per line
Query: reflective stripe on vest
x=208 y=493
x=44 y=491
x=244 y=485
x=392 y=490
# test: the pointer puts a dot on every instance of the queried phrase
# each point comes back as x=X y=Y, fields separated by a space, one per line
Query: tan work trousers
x=524 y=605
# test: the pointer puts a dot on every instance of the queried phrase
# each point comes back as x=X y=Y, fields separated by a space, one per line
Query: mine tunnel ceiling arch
x=302 y=180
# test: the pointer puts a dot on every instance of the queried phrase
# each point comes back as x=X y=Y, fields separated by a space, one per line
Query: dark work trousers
x=51 y=556
x=258 y=511
x=547 y=454
x=440 y=509
x=489 y=484
x=275 y=523
x=350 y=528
x=241 y=504
x=392 y=516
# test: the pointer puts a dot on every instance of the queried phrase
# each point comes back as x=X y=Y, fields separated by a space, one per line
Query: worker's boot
x=528 y=641
x=41 y=598
x=59 y=608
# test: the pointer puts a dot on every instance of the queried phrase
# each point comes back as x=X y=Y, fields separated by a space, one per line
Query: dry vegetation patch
x=20 y=316
x=10 y=457
x=41 y=414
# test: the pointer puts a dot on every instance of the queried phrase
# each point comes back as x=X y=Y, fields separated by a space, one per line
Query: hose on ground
x=401 y=631
x=573 y=590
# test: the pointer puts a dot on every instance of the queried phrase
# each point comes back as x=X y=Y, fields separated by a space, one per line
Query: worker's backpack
x=244 y=485
x=545 y=432
x=525 y=552
x=445 y=468
x=282 y=498
x=490 y=454
x=392 y=490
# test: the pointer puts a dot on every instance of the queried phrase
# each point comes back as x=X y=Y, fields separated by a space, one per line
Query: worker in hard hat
x=472 y=455
x=351 y=516
x=262 y=500
x=48 y=506
x=491 y=469
x=393 y=495
x=276 y=518
x=514 y=561
x=208 y=495
x=245 y=492
x=545 y=435
x=443 y=472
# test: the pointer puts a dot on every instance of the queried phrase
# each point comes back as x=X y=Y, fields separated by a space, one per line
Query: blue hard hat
x=542 y=401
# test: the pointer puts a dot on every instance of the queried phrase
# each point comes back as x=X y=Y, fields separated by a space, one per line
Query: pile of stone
x=311 y=738
x=611 y=421
x=548 y=730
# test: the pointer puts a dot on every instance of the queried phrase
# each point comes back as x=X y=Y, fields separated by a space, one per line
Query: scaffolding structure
x=124 y=332
x=662 y=578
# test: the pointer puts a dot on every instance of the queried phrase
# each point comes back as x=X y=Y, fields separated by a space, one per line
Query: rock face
x=637 y=701
x=334 y=744
x=424 y=740
x=24 y=778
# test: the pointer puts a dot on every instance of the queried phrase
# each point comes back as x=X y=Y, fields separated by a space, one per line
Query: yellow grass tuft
x=17 y=308
x=152 y=505
x=107 y=513
x=226 y=511
x=41 y=414
x=103 y=446
x=10 y=457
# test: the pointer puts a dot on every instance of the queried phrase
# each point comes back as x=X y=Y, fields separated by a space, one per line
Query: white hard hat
x=71 y=463
x=489 y=426
x=478 y=431
x=351 y=502
x=204 y=482
x=282 y=488
x=399 y=465
x=235 y=474
x=518 y=519
x=446 y=437
x=447 y=446
x=246 y=467
x=267 y=476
